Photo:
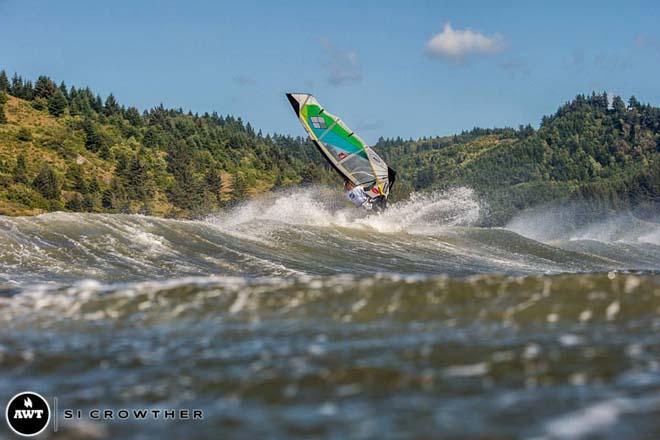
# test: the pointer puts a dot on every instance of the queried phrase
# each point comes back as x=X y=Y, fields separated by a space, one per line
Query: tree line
x=595 y=149
x=158 y=157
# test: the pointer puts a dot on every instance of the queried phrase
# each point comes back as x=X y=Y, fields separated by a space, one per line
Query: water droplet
x=612 y=310
x=585 y=315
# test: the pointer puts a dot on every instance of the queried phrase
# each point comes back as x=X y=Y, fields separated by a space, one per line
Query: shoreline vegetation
x=68 y=149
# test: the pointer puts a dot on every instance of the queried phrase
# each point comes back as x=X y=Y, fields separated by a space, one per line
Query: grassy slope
x=56 y=142
x=53 y=142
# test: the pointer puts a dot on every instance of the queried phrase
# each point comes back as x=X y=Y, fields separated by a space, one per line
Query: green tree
x=75 y=174
x=16 y=86
x=185 y=191
x=139 y=179
x=47 y=183
x=44 y=88
x=3 y=116
x=239 y=187
x=27 y=92
x=213 y=184
x=20 y=170
x=133 y=116
x=633 y=103
x=618 y=105
x=4 y=82
x=111 y=106
x=64 y=90
x=151 y=138
x=57 y=103
x=94 y=187
x=94 y=139
x=115 y=197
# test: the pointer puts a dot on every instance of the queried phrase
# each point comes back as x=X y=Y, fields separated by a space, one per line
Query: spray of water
x=322 y=207
x=573 y=222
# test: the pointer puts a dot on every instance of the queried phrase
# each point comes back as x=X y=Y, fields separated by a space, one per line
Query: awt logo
x=27 y=413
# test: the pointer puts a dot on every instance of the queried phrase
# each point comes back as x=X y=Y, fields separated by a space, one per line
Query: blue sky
x=408 y=68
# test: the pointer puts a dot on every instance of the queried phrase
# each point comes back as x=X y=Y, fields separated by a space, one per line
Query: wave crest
x=322 y=207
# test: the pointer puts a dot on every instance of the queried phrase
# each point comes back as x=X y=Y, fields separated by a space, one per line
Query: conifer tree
x=57 y=103
x=139 y=180
x=185 y=191
x=97 y=104
x=94 y=139
x=94 y=187
x=111 y=106
x=114 y=197
x=20 y=170
x=618 y=105
x=47 y=183
x=64 y=91
x=16 y=85
x=4 y=82
x=633 y=103
x=239 y=187
x=213 y=183
x=44 y=88
x=3 y=100
x=28 y=91
x=75 y=175
x=133 y=116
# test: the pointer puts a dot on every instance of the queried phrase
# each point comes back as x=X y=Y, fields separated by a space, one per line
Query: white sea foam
x=559 y=223
x=321 y=207
x=596 y=418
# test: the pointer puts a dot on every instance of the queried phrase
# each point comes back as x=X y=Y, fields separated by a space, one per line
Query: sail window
x=318 y=122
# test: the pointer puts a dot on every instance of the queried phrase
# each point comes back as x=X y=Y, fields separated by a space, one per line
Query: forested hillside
x=63 y=148
x=66 y=148
x=593 y=150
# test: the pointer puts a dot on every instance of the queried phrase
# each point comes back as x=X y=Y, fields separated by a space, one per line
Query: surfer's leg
x=379 y=204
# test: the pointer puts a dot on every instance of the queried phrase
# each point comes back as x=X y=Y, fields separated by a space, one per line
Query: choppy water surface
x=295 y=318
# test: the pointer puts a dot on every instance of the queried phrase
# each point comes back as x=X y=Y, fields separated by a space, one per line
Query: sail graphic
x=350 y=156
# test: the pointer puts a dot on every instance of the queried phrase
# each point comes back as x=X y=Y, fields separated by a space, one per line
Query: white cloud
x=343 y=67
x=456 y=44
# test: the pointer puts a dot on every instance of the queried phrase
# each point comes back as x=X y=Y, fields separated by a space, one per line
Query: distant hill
x=65 y=148
x=593 y=150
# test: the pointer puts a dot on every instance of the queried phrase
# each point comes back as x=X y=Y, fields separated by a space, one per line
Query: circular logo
x=27 y=413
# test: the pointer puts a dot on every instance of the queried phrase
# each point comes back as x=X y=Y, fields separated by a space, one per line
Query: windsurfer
x=358 y=197
x=368 y=178
x=355 y=193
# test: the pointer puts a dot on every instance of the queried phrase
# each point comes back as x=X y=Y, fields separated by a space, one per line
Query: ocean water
x=294 y=316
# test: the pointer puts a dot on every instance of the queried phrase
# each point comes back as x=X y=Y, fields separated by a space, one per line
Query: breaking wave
x=313 y=231
x=320 y=207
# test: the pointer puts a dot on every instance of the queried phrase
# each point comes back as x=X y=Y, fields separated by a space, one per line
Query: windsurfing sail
x=350 y=156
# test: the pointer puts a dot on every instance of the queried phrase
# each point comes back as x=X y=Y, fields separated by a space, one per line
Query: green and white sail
x=351 y=157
